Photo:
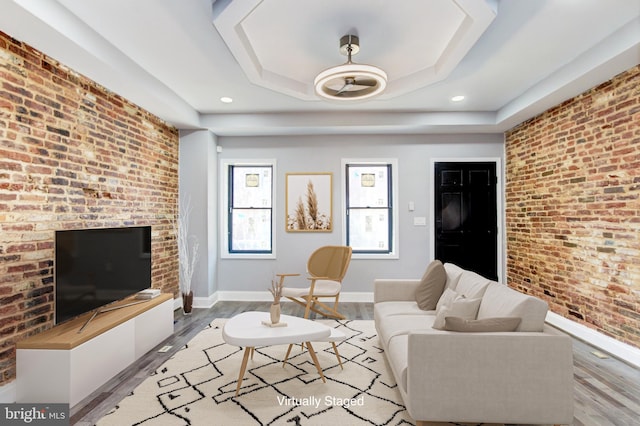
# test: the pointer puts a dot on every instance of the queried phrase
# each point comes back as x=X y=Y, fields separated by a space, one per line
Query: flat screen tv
x=95 y=267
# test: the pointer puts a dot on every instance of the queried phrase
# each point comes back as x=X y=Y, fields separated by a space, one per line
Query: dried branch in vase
x=187 y=245
x=276 y=291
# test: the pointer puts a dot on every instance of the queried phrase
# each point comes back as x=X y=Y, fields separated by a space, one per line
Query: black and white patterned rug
x=197 y=385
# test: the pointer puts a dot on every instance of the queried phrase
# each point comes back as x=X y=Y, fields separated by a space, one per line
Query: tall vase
x=187 y=302
x=274 y=311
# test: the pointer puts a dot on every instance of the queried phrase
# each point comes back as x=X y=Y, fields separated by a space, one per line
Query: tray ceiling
x=510 y=59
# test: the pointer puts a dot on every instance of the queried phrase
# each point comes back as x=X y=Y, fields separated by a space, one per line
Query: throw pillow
x=448 y=296
x=482 y=325
x=461 y=307
x=431 y=286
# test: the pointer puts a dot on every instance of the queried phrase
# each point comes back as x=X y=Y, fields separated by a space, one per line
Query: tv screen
x=95 y=267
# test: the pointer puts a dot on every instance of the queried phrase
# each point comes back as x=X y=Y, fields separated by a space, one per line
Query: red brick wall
x=72 y=155
x=573 y=207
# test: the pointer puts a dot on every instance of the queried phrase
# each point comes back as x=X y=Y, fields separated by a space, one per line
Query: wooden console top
x=65 y=336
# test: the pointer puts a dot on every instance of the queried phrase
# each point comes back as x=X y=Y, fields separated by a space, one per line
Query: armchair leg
x=335 y=304
x=313 y=304
x=327 y=311
x=307 y=309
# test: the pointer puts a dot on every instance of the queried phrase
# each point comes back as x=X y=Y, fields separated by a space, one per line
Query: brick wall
x=573 y=207
x=72 y=155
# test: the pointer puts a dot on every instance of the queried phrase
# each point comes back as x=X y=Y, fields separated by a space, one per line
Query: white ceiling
x=511 y=59
x=417 y=53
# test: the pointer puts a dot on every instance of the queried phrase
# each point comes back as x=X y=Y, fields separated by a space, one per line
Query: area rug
x=197 y=385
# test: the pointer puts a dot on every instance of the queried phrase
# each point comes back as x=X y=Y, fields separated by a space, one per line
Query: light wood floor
x=607 y=391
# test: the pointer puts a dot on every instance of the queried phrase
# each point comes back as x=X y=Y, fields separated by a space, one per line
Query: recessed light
x=226 y=100
x=457 y=98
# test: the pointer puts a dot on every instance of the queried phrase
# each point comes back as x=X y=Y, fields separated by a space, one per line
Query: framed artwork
x=309 y=202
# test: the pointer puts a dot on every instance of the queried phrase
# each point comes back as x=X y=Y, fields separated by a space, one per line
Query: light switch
x=412 y=206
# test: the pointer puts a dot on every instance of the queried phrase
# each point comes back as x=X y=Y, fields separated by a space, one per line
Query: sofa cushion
x=431 y=286
x=394 y=325
x=448 y=296
x=461 y=307
x=453 y=275
x=472 y=285
x=482 y=325
x=502 y=301
x=384 y=309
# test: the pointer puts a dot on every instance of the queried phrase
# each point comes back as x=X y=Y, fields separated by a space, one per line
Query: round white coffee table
x=246 y=330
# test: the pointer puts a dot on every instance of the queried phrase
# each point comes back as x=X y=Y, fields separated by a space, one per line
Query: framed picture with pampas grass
x=309 y=202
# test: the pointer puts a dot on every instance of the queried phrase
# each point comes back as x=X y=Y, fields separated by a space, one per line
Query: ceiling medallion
x=349 y=81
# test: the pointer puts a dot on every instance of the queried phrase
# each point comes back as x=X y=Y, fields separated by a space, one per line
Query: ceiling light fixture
x=457 y=98
x=349 y=81
x=226 y=100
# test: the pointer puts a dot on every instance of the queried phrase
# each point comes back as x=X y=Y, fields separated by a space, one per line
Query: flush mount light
x=350 y=82
x=457 y=98
x=226 y=100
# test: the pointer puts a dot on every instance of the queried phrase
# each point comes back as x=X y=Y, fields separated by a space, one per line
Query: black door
x=466 y=217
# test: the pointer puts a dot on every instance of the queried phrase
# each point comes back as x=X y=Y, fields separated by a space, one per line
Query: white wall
x=324 y=154
x=198 y=173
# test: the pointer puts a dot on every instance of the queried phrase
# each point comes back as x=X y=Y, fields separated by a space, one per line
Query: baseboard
x=601 y=341
x=357 y=297
x=8 y=393
x=265 y=296
x=205 y=302
x=198 y=302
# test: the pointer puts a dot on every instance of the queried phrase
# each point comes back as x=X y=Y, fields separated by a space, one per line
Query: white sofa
x=523 y=376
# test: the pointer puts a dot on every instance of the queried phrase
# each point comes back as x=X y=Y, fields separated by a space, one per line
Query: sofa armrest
x=490 y=377
x=388 y=290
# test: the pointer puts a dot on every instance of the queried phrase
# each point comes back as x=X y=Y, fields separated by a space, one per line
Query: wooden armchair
x=327 y=267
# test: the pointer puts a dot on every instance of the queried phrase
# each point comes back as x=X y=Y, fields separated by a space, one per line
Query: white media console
x=61 y=365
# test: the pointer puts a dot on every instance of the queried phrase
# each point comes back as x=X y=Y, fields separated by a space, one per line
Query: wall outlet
x=420 y=221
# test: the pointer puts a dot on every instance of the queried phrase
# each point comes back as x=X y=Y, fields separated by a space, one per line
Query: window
x=249 y=216
x=369 y=207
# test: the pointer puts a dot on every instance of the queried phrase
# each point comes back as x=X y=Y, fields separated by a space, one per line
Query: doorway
x=466 y=215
